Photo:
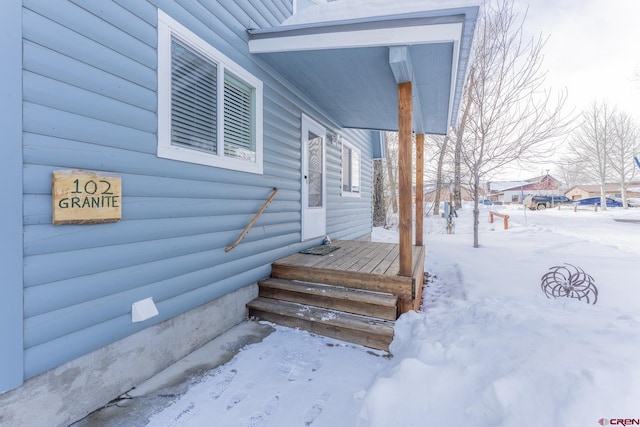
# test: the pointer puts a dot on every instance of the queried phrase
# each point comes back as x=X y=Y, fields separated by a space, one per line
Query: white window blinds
x=193 y=99
x=238 y=119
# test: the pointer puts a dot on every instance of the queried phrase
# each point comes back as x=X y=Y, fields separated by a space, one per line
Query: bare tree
x=592 y=144
x=570 y=172
x=379 y=205
x=624 y=146
x=459 y=134
x=391 y=141
x=511 y=117
x=438 y=189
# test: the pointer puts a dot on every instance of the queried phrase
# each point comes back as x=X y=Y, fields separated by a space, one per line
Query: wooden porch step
x=363 y=330
x=373 y=304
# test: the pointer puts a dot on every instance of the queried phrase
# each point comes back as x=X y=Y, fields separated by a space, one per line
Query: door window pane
x=314 y=174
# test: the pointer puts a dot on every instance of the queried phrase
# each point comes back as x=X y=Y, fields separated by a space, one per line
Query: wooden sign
x=86 y=197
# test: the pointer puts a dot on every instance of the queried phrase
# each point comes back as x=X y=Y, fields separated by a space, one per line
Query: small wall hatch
x=143 y=310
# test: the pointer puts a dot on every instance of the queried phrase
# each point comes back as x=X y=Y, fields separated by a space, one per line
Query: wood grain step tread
x=331 y=291
x=366 y=331
x=338 y=319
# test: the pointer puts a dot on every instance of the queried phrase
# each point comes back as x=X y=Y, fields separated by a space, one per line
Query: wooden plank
x=351 y=257
x=355 y=301
x=324 y=329
x=308 y=260
x=397 y=285
x=350 y=294
x=349 y=252
x=346 y=320
x=291 y=259
x=85 y=197
x=366 y=257
x=418 y=277
x=419 y=189
x=415 y=301
x=345 y=252
x=404 y=177
x=394 y=266
x=385 y=266
x=373 y=256
x=348 y=327
x=377 y=257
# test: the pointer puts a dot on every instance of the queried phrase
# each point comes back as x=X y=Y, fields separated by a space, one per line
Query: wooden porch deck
x=371 y=266
x=353 y=293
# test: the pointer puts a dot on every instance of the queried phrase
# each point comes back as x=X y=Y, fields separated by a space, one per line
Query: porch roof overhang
x=351 y=68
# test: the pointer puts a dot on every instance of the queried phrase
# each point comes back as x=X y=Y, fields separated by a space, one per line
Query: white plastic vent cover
x=143 y=310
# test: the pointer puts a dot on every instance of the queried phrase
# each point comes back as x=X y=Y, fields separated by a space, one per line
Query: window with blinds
x=350 y=170
x=238 y=119
x=209 y=108
x=193 y=99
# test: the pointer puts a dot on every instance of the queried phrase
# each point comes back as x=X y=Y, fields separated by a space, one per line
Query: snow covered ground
x=488 y=347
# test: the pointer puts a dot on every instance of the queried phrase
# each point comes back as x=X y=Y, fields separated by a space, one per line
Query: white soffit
x=394 y=36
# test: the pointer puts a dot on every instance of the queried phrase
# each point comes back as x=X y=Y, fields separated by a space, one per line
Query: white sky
x=592 y=49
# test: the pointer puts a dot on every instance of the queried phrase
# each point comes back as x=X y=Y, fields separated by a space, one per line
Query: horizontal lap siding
x=349 y=217
x=90 y=102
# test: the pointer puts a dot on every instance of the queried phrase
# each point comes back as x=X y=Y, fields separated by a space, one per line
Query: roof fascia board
x=395 y=36
x=430 y=17
x=454 y=82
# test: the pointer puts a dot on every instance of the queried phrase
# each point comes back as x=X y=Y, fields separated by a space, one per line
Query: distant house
x=612 y=190
x=515 y=191
x=141 y=137
x=466 y=195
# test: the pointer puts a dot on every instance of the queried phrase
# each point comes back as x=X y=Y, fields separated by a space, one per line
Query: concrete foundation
x=69 y=392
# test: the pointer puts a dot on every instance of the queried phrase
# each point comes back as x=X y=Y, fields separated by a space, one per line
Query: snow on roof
x=504 y=185
x=354 y=9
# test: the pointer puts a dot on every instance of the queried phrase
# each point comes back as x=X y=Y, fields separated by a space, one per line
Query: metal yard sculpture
x=571 y=282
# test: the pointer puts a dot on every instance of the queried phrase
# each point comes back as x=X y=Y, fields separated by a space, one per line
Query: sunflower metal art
x=571 y=282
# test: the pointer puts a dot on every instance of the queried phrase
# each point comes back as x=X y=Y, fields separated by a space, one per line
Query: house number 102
x=90 y=187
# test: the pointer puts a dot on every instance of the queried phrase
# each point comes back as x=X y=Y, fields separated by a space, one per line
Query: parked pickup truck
x=543 y=202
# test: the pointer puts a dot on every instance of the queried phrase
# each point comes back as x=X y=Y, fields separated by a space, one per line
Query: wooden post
x=404 y=177
x=419 y=188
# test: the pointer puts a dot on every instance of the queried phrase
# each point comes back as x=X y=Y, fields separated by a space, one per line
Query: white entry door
x=314 y=204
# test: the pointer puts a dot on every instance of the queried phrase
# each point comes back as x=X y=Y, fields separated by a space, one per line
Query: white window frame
x=352 y=149
x=168 y=27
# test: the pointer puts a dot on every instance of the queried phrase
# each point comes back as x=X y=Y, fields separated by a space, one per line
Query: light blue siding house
x=193 y=105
